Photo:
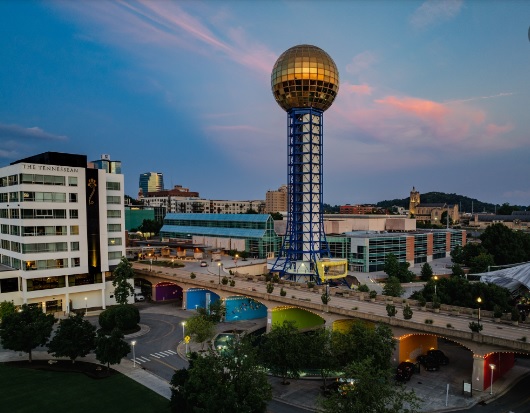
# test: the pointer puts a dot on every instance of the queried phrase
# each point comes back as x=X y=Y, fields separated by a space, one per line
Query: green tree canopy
x=372 y=390
x=216 y=312
x=200 y=329
x=282 y=351
x=6 y=307
x=75 y=337
x=231 y=381
x=26 y=329
x=426 y=272
x=151 y=226
x=123 y=289
x=320 y=352
x=393 y=287
x=400 y=270
x=506 y=246
x=110 y=349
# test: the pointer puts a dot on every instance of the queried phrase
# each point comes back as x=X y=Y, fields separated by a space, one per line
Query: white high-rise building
x=62 y=232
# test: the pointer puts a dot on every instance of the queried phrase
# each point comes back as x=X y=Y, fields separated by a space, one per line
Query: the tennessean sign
x=37 y=167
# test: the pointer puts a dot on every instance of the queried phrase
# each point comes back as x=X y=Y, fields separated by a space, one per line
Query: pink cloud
x=363 y=89
x=361 y=62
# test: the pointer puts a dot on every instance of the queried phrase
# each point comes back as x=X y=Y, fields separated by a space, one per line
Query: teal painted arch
x=200 y=297
x=239 y=308
x=303 y=319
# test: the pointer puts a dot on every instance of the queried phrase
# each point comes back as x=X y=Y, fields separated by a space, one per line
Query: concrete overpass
x=496 y=344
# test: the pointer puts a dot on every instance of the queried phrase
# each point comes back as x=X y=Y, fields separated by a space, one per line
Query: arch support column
x=478 y=372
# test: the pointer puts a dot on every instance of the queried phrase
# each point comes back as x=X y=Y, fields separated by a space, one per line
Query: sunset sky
x=433 y=94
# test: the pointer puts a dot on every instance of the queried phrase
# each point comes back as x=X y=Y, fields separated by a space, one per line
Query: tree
x=6 y=307
x=507 y=209
x=426 y=272
x=506 y=246
x=121 y=276
x=110 y=349
x=457 y=271
x=200 y=329
x=407 y=312
x=215 y=313
x=75 y=337
x=457 y=255
x=150 y=226
x=321 y=352
x=377 y=342
x=231 y=381
x=443 y=219
x=391 y=310
x=481 y=263
x=124 y=317
x=400 y=270
x=26 y=329
x=277 y=216
x=372 y=390
x=393 y=287
x=282 y=351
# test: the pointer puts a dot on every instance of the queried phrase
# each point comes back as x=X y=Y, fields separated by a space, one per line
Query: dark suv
x=429 y=363
x=439 y=356
x=404 y=371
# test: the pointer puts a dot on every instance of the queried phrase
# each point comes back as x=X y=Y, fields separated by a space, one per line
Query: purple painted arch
x=167 y=291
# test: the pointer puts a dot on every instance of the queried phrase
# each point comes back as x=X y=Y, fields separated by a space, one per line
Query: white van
x=138 y=296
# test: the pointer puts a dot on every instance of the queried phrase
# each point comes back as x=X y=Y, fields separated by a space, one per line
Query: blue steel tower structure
x=304 y=81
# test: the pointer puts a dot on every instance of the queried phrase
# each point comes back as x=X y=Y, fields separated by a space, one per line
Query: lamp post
x=86 y=306
x=237 y=257
x=219 y=271
x=435 y=278
x=492 y=367
x=150 y=264
x=133 y=343
x=183 y=328
x=479 y=300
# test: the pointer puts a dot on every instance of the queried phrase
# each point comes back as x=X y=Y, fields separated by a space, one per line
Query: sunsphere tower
x=305 y=82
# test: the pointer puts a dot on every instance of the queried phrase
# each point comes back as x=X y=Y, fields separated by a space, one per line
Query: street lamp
x=86 y=306
x=183 y=328
x=435 y=278
x=219 y=271
x=492 y=367
x=133 y=343
x=479 y=300
x=237 y=257
x=150 y=264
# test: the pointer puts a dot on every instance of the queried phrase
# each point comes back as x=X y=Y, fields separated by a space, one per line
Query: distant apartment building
x=151 y=182
x=276 y=201
x=195 y=205
x=61 y=231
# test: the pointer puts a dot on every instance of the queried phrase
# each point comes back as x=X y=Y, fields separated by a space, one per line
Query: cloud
x=363 y=89
x=361 y=62
x=166 y=24
x=16 y=132
x=433 y=12
x=520 y=195
x=498 y=95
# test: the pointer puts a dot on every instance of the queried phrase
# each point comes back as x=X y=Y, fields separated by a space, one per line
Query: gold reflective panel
x=296 y=72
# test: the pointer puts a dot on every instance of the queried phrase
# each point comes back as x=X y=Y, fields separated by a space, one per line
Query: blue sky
x=433 y=94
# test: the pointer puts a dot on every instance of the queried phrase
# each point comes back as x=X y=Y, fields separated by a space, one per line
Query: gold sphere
x=305 y=76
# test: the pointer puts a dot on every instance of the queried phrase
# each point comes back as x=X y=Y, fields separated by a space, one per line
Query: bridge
x=496 y=344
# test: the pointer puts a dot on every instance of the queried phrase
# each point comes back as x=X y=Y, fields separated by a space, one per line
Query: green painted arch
x=304 y=319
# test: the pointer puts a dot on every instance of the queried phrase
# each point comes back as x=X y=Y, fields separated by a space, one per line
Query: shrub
x=363 y=288
x=436 y=302
x=407 y=312
x=224 y=280
x=276 y=278
x=497 y=311
x=515 y=314
x=475 y=327
x=449 y=325
x=310 y=284
x=422 y=301
x=270 y=288
x=232 y=283
x=283 y=293
x=428 y=321
x=192 y=275
x=125 y=317
x=391 y=310
x=373 y=294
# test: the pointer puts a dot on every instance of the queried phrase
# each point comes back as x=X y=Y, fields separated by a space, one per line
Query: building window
x=3 y=197
x=113 y=213
x=74 y=214
x=113 y=227
x=44 y=247
x=114 y=241
x=4 y=228
x=42 y=179
x=115 y=255
x=74 y=246
x=113 y=186
x=76 y=262
x=74 y=229
x=113 y=199
x=15 y=213
x=15 y=230
x=73 y=197
x=72 y=181
x=43 y=197
x=12 y=180
x=4 y=213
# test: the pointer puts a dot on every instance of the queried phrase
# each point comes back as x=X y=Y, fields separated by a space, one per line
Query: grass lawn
x=29 y=390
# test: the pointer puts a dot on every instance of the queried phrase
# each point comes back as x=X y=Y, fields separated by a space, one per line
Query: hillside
x=465 y=203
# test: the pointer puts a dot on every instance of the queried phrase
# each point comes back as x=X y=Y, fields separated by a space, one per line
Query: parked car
x=204 y=264
x=139 y=297
x=429 y=363
x=439 y=356
x=404 y=371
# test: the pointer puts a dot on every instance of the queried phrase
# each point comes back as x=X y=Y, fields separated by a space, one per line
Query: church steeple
x=414 y=201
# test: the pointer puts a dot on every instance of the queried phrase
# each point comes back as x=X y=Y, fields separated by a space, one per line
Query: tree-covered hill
x=465 y=203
